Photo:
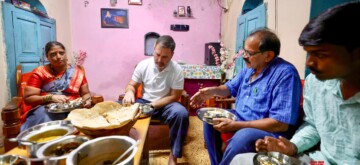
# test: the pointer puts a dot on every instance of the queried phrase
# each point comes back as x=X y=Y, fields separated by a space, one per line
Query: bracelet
x=47 y=98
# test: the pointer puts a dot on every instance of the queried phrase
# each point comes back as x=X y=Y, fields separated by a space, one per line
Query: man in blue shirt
x=267 y=95
x=332 y=92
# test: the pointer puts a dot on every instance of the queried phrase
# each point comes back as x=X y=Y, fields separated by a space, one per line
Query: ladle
x=127 y=151
x=22 y=141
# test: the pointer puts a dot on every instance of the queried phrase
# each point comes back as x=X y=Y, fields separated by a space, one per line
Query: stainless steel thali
x=64 y=107
x=207 y=114
x=274 y=158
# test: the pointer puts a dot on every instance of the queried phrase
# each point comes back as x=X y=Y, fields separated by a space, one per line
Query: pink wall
x=113 y=52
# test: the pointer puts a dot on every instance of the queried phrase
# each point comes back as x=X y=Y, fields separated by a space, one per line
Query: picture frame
x=114 y=18
x=181 y=11
x=135 y=2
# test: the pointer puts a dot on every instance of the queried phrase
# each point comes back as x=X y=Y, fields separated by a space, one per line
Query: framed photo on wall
x=114 y=18
x=181 y=11
x=135 y=2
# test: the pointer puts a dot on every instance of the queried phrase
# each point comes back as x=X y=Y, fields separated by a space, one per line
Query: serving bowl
x=33 y=138
x=58 y=150
x=111 y=130
x=14 y=160
x=105 y=118
x=103 y=150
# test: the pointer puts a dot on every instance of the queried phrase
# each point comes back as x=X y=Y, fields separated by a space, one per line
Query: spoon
x=127 y=151
x=22 y=141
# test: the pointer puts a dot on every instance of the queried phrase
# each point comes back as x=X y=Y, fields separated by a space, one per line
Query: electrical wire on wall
x=225 y=9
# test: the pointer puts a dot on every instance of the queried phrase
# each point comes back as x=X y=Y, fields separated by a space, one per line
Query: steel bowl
x=146 y=110
x=14 y=160
x=33 y=138
x=103 y=150
x=58 y=150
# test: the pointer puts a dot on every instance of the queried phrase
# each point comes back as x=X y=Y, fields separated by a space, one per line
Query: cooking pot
x=33 y=138
x=103 y=150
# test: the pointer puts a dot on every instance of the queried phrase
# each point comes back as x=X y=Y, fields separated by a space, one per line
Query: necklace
x=58 y=85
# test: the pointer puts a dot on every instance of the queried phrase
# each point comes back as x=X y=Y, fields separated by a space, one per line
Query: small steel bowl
x=57 y=151
x=14 y=160
x=146 y=110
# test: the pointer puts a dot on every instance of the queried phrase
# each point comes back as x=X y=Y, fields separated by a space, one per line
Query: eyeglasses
x=248 y=53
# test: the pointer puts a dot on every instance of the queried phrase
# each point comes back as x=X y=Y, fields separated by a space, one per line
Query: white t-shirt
x=157 y=84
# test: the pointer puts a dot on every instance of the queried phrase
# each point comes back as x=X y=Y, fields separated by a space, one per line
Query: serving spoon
x=22 y=141
x=126 y=152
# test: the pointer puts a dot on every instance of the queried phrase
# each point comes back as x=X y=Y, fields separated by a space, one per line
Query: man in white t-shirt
x=162 y=82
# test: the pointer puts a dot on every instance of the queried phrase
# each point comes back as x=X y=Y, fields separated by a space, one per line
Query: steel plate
x=207 y=114
x=272 y=158
x=63 y=108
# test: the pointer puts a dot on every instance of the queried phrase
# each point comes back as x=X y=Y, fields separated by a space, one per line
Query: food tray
x=207 y=114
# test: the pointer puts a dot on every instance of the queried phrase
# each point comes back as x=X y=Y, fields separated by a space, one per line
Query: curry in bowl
x=47 y=136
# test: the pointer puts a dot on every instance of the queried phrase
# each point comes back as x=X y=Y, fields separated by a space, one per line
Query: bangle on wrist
x=47 y=98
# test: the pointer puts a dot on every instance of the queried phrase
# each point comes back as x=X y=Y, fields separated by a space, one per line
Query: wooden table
x=141 y=127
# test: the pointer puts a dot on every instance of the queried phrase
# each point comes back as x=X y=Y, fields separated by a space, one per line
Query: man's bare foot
x=172 y=159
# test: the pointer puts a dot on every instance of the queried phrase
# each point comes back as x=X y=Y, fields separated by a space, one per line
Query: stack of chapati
x=104 y=115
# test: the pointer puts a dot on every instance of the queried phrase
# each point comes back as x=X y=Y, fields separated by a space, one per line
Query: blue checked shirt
x=275 y=93
x=332 y=120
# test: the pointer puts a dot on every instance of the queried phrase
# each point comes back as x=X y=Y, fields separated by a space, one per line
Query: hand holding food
x=281 y=145
x=129 y=98
x=59 y=99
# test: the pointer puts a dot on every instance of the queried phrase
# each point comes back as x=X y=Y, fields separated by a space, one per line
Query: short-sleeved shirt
x=332 y=120
x=157 y=84
x=275 y=93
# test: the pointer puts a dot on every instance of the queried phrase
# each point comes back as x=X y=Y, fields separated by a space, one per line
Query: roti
x=104 y=115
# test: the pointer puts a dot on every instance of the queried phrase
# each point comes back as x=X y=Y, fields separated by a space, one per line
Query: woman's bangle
x=47 y=98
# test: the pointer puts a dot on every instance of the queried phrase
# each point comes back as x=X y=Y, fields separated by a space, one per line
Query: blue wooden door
x=247 y=23
x=47 y=30
x=25 y=36
x=26 y=31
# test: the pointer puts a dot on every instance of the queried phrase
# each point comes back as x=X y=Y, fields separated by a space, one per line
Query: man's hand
x=281 y=145
x=129 y=98
x=200 y=97
x=87 y=103
x=224 y=125
x=59 y=99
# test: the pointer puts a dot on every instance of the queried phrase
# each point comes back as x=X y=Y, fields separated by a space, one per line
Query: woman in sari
x=56 y=82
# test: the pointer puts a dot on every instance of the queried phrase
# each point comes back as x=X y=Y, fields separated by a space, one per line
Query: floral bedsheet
x=201 y=71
